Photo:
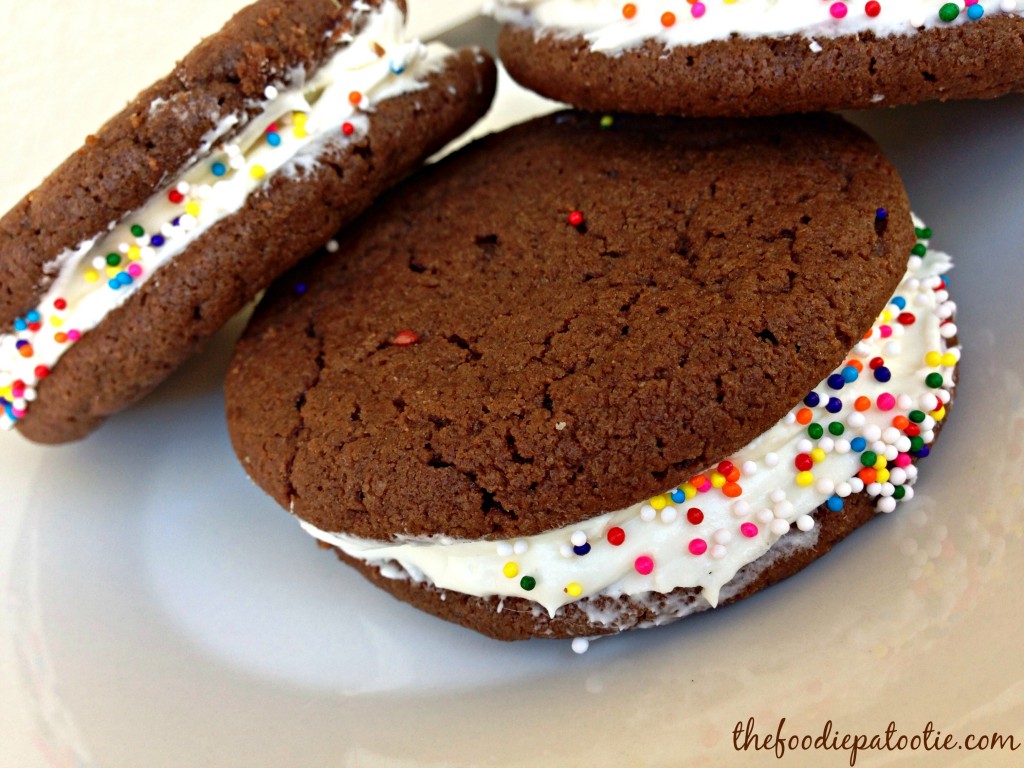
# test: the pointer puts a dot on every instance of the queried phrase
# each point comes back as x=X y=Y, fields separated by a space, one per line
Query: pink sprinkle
x=697 y=9
x=74 y=335
x=698 y=546
x=644 y=565
x=838 y=10
x=706 y=487
x=903 y=460
x=134 y=270
x=886 y=331
x=749 y=530
x=970 y=2
x=18 y=391
x=886 y=402
x=19 y=413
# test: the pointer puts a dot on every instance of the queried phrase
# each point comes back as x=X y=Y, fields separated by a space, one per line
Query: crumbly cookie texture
x=752 y=57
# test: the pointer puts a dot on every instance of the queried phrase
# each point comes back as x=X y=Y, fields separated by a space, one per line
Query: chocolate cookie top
x=564 y=319
x=761 y=57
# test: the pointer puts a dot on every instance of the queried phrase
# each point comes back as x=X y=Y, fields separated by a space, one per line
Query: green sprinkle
x=137 y=230
x=923 y=233
x=815 y=431
x=916 y=444
x=113 y=259
x=949 y=12
x=836 y=428
x=528 y=583
x=916 y=416
x=919 y=250
x=933 y=380
x=868 y=458
x=607 y=121
x=899 y=492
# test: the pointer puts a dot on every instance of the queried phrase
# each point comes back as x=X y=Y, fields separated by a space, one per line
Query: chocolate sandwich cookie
x=261 y=143
x=587 y=374
x=761 y=57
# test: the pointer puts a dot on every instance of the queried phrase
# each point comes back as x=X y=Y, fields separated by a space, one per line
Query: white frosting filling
x=297 y=123
x=605 y=26
x=666 y=544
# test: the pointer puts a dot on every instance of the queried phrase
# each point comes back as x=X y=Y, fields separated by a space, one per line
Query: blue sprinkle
x=397 y=67
x=32 y=317
x=975 y=12
x=176 y=222
x=850 y=374
x=858 y=444
x=20 y=344
x=274 y=139
x=882 y=374
x=300 y=288
x=812 y=400
x=219 y=169
x=881 y=214
x=899 y=301
x=836 y=381
x=20 y=325
x=835 y=504
x=9 y=409
x=582 y=549
x=835 y=405
x=678 y=496
x=114 y=283
x=156 y=241
x=923 y=453
x=124 y=278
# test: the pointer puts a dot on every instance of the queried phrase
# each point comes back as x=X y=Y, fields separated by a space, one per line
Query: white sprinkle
x=332 y=246
x=941 y=295
x=783 y=509
x=271 y=93
x=804 y=446
x=827 y=444
x=521 y=547
x=893 y=348
x=898 y=329
x=928 y=402
x=875 y=98
x=778 y=495
x=856 y=485
x=188 y=222
x=790 y=418
x=874 y=489
x=203 y=192
x=779 y=527
x=842 y=446
x=580 y=645
x=815 y=46
x=669 y=514
x=928 y=437
x=99 y=263
x=740 y=508
x=771 y=460
x=855 y=419
x=237 y=162
x=167 y=229
x=147 y=253
x=909 y=493
x=648 y=513
x=565 y=550
x=749 y=468
x=911 y=470
x=922 y=300
x=123 y=248
x=943 y=395
x=886 y=504
x=717 y=552
x=825 y=486
x=905 y=402
x=887 y=489
x=947 y=331
x=183 y=187
x=877 y=446
x=897 y=476
x=862 y=349
x=843 y=490
x=1008 y=5
x=722 y=536
x=805 y=523
x=560 y=426
x=928 y=424
x=578 y=539
x=872 y=432
x=891 y=452
x=504 y=549
x=765 y=516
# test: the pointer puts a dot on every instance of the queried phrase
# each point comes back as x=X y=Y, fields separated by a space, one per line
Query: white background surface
x=157 y=610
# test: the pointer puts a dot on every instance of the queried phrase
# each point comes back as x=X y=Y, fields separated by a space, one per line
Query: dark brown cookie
x=211 y=98
x=565 y=319
x=770 y=75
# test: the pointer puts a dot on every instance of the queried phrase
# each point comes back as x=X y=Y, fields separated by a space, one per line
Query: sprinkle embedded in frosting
x=612 y=26
x=858 y=431
x=298 y=121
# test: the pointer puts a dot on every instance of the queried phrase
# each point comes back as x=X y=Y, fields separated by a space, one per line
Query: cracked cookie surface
x=595 y=312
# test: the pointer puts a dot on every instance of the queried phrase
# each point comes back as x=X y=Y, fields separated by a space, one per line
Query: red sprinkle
x=616 y=536
x=695 y=516
x=575 y=218
x=42 y=371
x=725 y=467
x=804 y=462
x=876 y=362
x=175 y=197
x=873 y=8
x=906 y=318
x=348 y=129
x=405 y=338
x=60 y=305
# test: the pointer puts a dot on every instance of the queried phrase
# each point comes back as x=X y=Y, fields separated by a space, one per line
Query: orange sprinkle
x=355 y=97
x=26 y=351
x=60 y=337
x=804 y=416
x=867 y=335
x=629 y=10
x=668 y=19
x=868 y=475
x=856 y=364
x=698 y=482
x=732 y=490
x=862 y=403
x=901 y=422
x=733 y=475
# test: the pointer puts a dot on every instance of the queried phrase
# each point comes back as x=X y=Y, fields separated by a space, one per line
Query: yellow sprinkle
x=134 y=253
x=949 y=360
x=933 y=359
x=257 y=171
x=659 y=502
x=193 y=208
x=939 y=414
x=300 y=118
x=574 y=590
x=299 y=132
x=688 y=490
x=886 y=315
x=56 y=322
x=804 y=479
x=882 y=475
x=717 y=479
x=91 y=276
x=880 y=462
x=511 y=570
x=818 y=455
x=113 y=271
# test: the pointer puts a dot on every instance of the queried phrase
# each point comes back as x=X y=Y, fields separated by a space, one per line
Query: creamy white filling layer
x=854 y=433
x=298 y=121
x=612 y=26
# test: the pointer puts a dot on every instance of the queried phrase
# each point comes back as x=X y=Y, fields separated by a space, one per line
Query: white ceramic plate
x=156 y=609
